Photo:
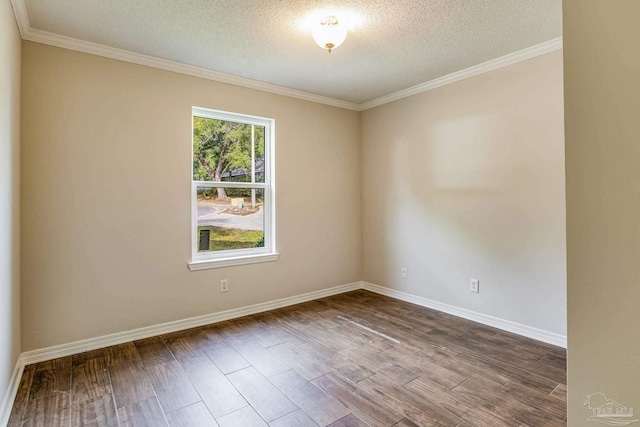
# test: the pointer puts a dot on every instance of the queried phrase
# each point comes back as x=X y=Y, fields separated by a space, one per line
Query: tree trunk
x=214 y=175
x=218 y=172
x=209 y=169
x=221 y=193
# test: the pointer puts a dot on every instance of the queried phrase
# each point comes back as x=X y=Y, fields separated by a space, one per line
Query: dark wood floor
x=355 y=359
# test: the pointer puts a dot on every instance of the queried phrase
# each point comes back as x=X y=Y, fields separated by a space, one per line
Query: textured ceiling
x=391 y=45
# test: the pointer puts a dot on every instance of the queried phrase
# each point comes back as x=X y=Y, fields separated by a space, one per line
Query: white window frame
x=227 y=258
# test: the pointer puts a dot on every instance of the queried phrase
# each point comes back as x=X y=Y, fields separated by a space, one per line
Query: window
x=232 y=197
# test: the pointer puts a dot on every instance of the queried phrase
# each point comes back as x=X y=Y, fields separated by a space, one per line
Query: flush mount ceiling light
x=329 y=33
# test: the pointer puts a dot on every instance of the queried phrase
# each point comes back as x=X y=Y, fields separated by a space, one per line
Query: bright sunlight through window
x=232 y=189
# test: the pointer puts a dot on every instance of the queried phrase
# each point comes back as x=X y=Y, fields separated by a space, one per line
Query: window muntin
x=232 y=186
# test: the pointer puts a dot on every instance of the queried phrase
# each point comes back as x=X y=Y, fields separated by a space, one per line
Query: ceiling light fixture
x=329 y=34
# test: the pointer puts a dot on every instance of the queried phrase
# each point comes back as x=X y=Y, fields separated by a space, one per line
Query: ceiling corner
x=22 y=18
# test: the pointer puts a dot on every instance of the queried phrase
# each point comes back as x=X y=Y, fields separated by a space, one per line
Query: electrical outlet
x=475 y=285
x=224 y=285
x=404 y=272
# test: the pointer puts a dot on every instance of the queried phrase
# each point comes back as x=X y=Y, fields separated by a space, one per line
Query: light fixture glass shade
x=329 y=34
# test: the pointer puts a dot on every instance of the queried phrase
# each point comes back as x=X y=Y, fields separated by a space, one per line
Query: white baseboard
x=63 y=350
x=41 y=355
x=12 y=390
x=505 y=325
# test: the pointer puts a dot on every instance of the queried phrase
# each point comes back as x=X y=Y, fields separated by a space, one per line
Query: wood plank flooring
x=355 y=359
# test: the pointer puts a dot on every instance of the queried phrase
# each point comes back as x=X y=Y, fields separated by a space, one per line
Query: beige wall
x=463 y=181
x=602 y=93
x=467 y=181
x=9 y=195
x=106 y=197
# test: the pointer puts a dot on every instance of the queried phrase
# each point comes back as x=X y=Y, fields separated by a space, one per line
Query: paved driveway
x=211 y=214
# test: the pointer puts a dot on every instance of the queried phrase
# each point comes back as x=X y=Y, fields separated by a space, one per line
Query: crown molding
x=178 y=67
x=22 y=17
x=494 y=64
x=45 y=37
x=71 y=43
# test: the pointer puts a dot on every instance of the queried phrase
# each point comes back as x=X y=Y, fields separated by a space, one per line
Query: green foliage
x=232 y=238
x=244 y=192
x=221 y=146
x=260 y=243
x=208 y=193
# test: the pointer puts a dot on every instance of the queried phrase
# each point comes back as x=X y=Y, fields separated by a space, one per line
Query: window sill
x=229 y=262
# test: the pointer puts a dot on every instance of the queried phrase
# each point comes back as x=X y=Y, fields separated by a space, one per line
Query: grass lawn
x=231 y=238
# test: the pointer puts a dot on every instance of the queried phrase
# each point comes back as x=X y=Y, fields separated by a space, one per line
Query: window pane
x=259 y=156
x=227 y=151
x=229 y=218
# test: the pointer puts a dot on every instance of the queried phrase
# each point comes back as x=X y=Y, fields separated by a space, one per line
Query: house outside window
x=232 y=192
